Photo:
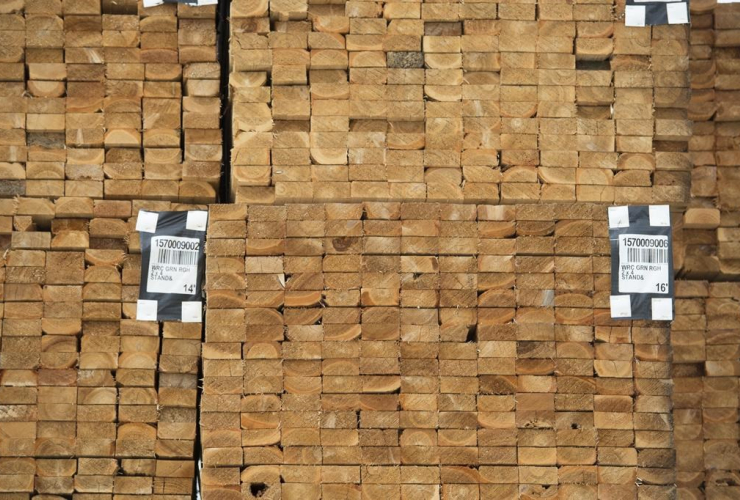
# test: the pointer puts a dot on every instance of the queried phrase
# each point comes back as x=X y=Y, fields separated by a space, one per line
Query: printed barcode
x=177 y=257
x=647 y=255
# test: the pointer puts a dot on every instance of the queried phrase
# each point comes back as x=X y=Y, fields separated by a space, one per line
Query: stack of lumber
x=712 y=221
x=91 y=400
x=706 y=374
x=423 y=350
x=109 y=100
x=456 y=102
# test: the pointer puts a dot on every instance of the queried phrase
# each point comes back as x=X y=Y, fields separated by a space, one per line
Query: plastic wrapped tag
x=638 y=13
x=194 y=3
x=642 y=262
x=172 y=265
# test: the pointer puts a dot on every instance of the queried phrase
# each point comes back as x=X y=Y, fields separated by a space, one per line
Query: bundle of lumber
x=109 y=100
x=712 y=220
x=91 y=400
x=458 y=102
x=418 y=350
x=706 y=374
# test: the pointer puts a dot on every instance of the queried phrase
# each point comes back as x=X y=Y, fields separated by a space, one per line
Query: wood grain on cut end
x=414 y=350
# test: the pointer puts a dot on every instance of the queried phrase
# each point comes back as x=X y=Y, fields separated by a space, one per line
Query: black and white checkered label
x=194 y=3
x=639 y=13
x=642 y=262
x=172 y=262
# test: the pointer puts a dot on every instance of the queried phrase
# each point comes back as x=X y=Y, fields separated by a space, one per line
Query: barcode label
x=643 y=263
x=177 y=257
x=647 y=255
x=173 y=265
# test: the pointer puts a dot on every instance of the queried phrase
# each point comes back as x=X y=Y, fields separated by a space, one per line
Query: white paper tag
x=153 y=3
x=620 y=306
x=643 y=263
x=634 y=15
x=662 y=309
x=619 y=217
x=146 y=222
x=192 y=312
x=197 y=220
x=173 y=265
x=678 y=13
x=660 y=215
x=146 y=310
